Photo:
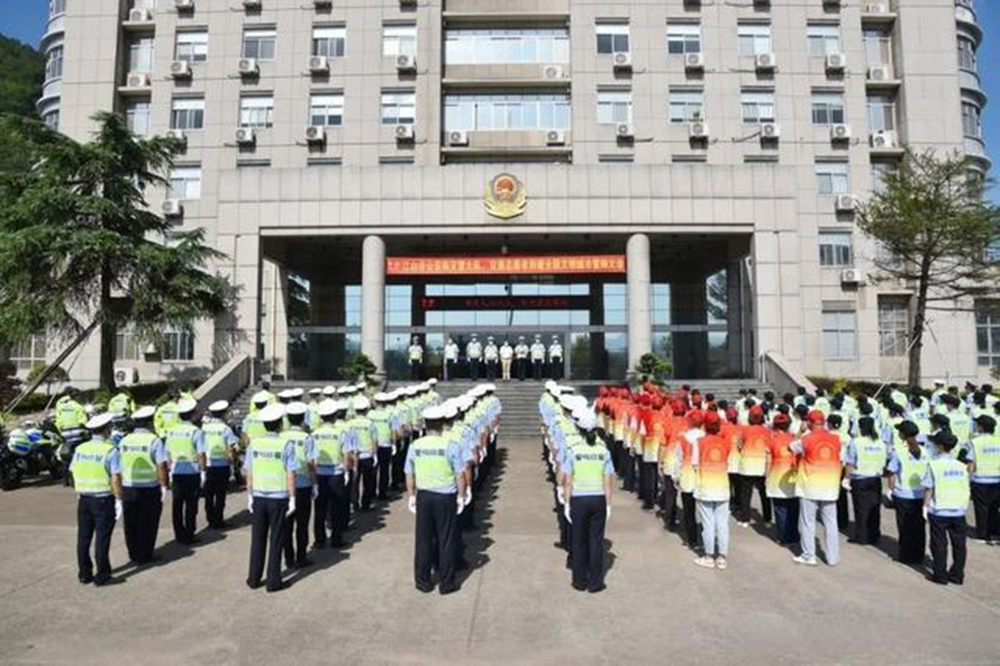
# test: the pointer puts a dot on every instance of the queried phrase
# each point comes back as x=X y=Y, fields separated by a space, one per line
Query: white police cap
x=328 y=408
x=361 y=403
x=218 y=406
x=296 y=409
x=186 y=406
x=261 y=398
x=316 y=391
x=144 y=412
x=287 y=394
x=584 y=418
x=272 y=413
x=434 y=413
x=329 y=390
x=100 y=421
x=343 y=390
x=383 y=397
x=432 y=381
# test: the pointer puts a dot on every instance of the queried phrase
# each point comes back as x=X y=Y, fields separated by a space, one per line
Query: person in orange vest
x=819 y=467
x=753 y=461
x=684 y=478
x=780 y=474
x=709 y=458
x=654 y=426
x=675 y=430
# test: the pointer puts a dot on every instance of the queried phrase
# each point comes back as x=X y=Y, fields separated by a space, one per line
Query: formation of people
x=492 y=361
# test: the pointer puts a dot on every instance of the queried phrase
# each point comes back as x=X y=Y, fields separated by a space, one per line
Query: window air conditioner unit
x=322 y=4
x=139 y=16
x=137 y=80
x=840 y=132
x=765 y=62
x=698 y=130
x=251 y=4
x=172 y=208
x=245 y=136
x=555 y=138
x=694 y=61
x=319 y=64
x=180 y=69
x=248 y=67
x=770 y=131
x=831 y=3
x=178 y=135
x=879 y=73
x=184 y=5
x=553 y=73
x=622 y=60
x=845 y=203
x=407 y=3
x=315 y=134
x=126 y=376
x=836 y=62
x=884 y=139
x=406 y=63
x=404 y=133
x=458 y=138
x=851 y=276
x=876 y=8
x=624 y=130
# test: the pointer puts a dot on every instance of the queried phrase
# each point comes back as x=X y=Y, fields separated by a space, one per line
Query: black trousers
x=556 y=368
x=491 y=370
x=216 y=484
x=536 y=369
x=141 y=510
x=786 y=519
x=669 y=503
x=986 y=503
x=384 y=471
x=473 y=368
x=630 y=481
x=435 y=539
x=647 y=483
x=522 y=368
x=449 y=370
x=912 y=530
x=416 y=370
x=843 y=515
x=185 y=506
x=943 y=530
x=95 y=522
x=296 y=537
x=267 y=532
x=589 y=515
x=398 y=461
x=564 y=526
x=363 y=484
x=691 y=534
x=866 y=496
x=334 y=502
x=744 y=492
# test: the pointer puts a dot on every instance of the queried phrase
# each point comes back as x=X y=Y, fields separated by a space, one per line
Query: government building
x=621 y=176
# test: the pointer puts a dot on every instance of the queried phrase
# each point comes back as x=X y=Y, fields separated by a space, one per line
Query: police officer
x=450 y=359
x=556 y=358
x=416 y=356
x=220 y=441
x=166 y=416
x=521 y=358
x=145 y=478
x=386 y=425
x=332 y=440
x=946 y=502
x=122 y=404
x=492 y=356
x=186 y=454
x=983 y=457
x=297 y=525
x=269 y=467
x=506 y=359
x=435 y=486
x=263 y=397
x=97 y=476
x=474 y=352
x=363 y=454
x=537 y=353
x=907 y=467
x=70 y=420
x=588 y=478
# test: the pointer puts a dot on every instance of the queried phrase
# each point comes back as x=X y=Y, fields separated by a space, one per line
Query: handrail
x=782 y=376
x=227 y=382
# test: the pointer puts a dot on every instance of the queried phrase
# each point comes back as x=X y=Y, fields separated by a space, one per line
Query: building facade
x=674 y=176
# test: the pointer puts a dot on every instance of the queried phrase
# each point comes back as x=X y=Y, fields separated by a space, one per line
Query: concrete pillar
x=734 y=317
x=373 y=300
x=640 y=325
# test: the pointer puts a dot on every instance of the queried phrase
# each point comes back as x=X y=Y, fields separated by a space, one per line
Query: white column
x=640 y=329
x=373 y=300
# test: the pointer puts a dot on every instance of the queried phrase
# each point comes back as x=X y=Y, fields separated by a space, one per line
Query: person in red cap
x=684 y=477
x=709 y=458
x=780 y=474
x=676 y=427
x=819 y=470
x=753 y=460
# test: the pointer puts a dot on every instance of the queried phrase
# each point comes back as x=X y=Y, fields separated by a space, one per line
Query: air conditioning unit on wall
x=126 y=376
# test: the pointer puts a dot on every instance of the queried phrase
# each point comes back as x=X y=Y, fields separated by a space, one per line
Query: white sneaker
x=720 y=564
x=743 y=525
x=706 y=562
x=802 y=559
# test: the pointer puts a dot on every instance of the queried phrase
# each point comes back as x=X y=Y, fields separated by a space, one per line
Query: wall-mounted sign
x=505 y=303
x=560 y=264
x=505 y=197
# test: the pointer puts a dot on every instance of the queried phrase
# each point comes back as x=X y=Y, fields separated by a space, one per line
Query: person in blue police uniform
x=435 y=487
x=269 y=468
x=220 y=441
x=297 y=526
x=186 y=454
x=588 y=477
x=907 y=467
x=333 y=441
x=946 y=502
x=97 y=477
x=145 y=479
x=983 y=456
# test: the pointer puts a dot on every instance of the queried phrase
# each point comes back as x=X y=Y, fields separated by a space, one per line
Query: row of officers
x=494 y=361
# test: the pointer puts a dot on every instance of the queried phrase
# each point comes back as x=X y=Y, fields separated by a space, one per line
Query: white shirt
x=416 y=353
x=521 y=351
x=491 y=352
x=538 y=352
x=473 y=350
x=506 y=352
x=555 y=350
x=451 y=352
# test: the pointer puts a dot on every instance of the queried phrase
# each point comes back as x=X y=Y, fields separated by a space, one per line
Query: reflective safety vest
x=383 y=430
x=166 y=418
x=911 y=472
x=329 y=450
x=361 y=427
x=215 y=440
x=871 y=456
x=138 y=466
x=961 y=427
x=431 y=467
x=121 y=404
x=69 y=414
x=267 y=465
x=589 y=462
x=90 y=472
x=298 y=438
x=951 y=485
x=253 y=426
x=180 y=444
x=987 y=452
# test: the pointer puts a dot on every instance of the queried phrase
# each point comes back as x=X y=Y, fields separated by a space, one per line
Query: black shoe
x=952 y=578
x=426 y=589
x=579 y=587
x=254 y=585
x=320 y=544
x=303 y=562
x=461 y=565
x=337 y=543
x=447 y=589
x=597 y=588
x=276 y=588
x=85 y=580
x=934 y=579
x=104 y=582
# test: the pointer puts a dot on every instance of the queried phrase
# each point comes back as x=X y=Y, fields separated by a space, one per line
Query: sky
x=24 y=20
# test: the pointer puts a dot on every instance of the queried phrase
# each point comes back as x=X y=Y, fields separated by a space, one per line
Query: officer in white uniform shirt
x=506 y=359
x=556 y=358
x=450 y=359
x=416 y=356
x=492 y=356
x=521 y=358
x=537 y=358
x=474 y=352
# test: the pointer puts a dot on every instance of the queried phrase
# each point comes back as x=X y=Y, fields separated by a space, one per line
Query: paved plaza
x=516 y=605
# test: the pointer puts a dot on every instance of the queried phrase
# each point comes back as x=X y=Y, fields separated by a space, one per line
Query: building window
x=26 y=354
x=833 y=177
x=506 y=112
x=51 y=119
x=754 y=38
x=824 y=39
x=128 y=346
x=137 y=114
x=828 y=108
x=187 y=113
x=329 y=41
x=256 y=111
x=839 y=334
x=143 y=4
x=509 y=46
x=178 y=345
x=971 y=121
x=966 y=53
x=686 y=106
x=57 y=7
x=326 y=110
x=879 y=172
x=835 y=249
x=399 y=108
x=612 y=37
x=185 y=183
x=191 y=46
x=399 y=40
x=878 y=47
x=259 y=43
x=881 y=113
x=683 y=38
x=614 y=107
x=758 y=106
x=54 y=63
x=893 y=325
x=140 y=55
x=987 y=315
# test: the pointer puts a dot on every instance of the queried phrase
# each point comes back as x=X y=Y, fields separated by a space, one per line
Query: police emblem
x=505 y=197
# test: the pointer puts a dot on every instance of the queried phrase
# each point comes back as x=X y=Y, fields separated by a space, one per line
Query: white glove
x=203 y=477
x=460 y=505
x=394 y=450
x=411 y=504
x=291 y=506
x=566 y=513
x=468 y=495
x=888 y=493
x=925 y=512
x=249 y=501
x=560 y=495
x=608 y=513
x=119 y=508
x=315 y=492
x=163 y=493
x=846 y=483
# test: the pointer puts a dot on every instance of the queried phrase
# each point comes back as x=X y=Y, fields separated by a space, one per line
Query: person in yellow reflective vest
x=386 y=425
x=983 y=457
x=166 y=417
x=906 y=467
x=333 y=440
x=262 y=398
x=220 y=442
x=121 y=404
x=70 y=417
x=186 y=453
x=363 y=485
x=946 y=502
x=297 y=526
x=97 y=477
x=865 y=460
x=145 y=479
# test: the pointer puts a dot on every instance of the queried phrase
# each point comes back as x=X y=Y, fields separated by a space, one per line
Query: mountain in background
x=22 y=72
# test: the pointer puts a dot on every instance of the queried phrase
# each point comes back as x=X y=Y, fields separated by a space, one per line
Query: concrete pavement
x=359 y=605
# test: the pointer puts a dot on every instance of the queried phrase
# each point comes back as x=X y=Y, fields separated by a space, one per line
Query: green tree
x=54 y=375
x=22 y=72
x=79 y=245
x=358 y=368
x=938 y=235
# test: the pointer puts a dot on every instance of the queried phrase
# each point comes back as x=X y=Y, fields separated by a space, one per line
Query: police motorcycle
x=30 y=451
